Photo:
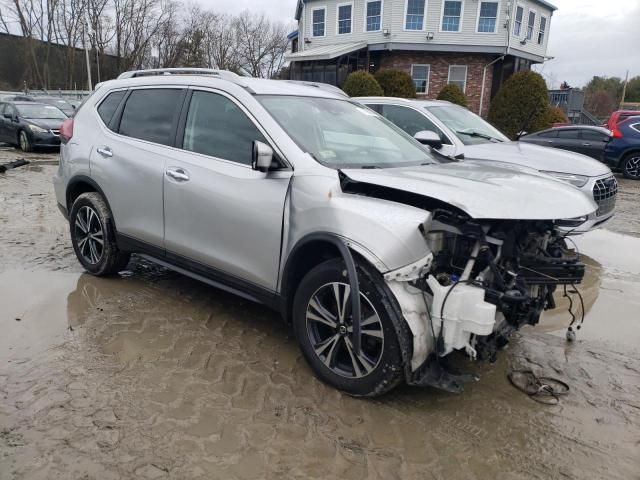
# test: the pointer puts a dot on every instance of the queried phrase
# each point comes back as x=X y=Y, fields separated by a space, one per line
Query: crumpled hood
x=485 y=191
x=538 y=157
x=47 y=124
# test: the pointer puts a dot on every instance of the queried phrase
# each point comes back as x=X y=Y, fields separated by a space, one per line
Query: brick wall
x=440 y=72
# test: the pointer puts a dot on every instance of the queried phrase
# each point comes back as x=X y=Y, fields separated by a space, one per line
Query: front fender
x=385 y=230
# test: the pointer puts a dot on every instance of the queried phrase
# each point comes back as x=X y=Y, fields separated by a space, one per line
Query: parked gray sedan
x=583 y=139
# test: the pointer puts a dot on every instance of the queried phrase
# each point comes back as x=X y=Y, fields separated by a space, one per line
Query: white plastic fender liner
x=414 y=310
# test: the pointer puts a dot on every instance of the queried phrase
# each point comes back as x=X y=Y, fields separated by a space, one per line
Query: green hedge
x=396 y=83
x=521 y=104
x=362 y=84
x=452 y=93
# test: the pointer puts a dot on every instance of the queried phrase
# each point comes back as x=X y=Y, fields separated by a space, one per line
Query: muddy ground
x=153 y=376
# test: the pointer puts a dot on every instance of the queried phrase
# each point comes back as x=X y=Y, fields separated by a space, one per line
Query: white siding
x=394 y=20
x=532 y=46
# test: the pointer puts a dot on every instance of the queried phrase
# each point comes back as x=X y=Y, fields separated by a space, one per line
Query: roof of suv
x=258 y=86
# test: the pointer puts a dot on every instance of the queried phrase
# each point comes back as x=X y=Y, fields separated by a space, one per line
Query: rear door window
x=150 y=114
x=109 y=105
x=217 y=127
x=593 y=136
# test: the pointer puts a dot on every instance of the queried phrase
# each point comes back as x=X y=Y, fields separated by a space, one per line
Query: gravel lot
x=154 y=375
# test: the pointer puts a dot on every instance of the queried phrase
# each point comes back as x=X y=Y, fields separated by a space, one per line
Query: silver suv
x=383 y=260
x=461 y=132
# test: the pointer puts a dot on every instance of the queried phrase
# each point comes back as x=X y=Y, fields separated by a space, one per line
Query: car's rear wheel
x=93 y=236
x=631 y=166
x=25 y=143
x=324 y=329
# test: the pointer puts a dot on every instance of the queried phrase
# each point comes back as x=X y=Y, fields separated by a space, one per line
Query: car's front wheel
x=324 y=328
x=25 y=143
x=93 y=236
x=631 y=166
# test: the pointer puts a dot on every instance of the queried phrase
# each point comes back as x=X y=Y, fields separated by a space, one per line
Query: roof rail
x=322 y=86
x=222 y=74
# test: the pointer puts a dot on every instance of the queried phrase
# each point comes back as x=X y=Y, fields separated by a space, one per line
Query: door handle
x=177 y=174
x=104 y=151
x=586 y=144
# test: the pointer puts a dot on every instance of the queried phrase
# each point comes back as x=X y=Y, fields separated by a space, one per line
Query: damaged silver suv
x=383 y=260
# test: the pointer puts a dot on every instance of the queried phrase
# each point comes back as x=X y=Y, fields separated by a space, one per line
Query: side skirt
x=202 y=273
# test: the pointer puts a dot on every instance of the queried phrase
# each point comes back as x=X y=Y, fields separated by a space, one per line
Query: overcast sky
x=588 y=37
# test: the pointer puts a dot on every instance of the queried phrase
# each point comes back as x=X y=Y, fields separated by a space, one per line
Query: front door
x=219 y=212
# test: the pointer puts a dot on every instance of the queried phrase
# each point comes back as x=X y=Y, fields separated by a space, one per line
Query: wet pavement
x=153 y=375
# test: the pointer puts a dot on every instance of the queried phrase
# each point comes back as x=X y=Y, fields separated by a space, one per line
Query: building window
x=344 y=18
x=488 y=18
x=543 y=30
x=415 y=15
x=451 y=12
x=420 y=76
x=374 y=16
x=530 y=24
x=517 y=24
x=458 y=76
x=318 y=21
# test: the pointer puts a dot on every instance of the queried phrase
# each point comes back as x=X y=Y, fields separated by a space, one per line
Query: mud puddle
x=610 y=291
x=156 y=376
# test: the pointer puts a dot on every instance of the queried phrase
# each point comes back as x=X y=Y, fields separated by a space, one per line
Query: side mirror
x=262 y=156
x=427 y=137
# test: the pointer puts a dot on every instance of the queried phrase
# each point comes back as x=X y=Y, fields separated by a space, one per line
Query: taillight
x=616 y=133
x=66 y=130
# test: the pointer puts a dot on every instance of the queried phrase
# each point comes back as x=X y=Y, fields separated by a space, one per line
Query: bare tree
x=261 y=44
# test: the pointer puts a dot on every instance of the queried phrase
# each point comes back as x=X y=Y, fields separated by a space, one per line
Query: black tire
x=23 y=141
x=631 y=166
x=107 y=260
x=389 y=369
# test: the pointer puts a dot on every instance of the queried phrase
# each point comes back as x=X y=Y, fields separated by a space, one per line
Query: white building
x=436 y=41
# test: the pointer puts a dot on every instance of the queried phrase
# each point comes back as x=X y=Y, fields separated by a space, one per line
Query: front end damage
x=482 y=281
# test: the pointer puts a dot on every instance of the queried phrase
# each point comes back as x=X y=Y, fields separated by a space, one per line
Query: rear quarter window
x=108 y=106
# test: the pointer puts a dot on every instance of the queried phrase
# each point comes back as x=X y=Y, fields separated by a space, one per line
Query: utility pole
x=624 y=89
x=95 y=38
x=86 y=56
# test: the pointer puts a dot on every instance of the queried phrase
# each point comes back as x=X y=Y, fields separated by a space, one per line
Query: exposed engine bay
x=485 y=280
x=517 y=265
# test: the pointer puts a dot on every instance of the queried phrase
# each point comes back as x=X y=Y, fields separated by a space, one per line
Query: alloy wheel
x=24 y=141
x=632 y=167
x=89 y=235
x=330 y=330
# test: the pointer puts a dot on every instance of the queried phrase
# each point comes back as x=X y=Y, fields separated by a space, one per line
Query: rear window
x=150 y=114
x=109 y=105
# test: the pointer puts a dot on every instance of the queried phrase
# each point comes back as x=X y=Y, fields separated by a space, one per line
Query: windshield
x=468 y=127
x=40 y=112
x=342 y=134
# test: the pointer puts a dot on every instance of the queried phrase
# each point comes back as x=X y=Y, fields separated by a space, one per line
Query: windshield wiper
x=369 y=167
x=475 y=133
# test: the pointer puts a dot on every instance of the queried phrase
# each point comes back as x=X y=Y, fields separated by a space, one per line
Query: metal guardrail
x=69 y=94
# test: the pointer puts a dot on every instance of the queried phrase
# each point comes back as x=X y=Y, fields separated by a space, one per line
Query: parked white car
x=463 y=134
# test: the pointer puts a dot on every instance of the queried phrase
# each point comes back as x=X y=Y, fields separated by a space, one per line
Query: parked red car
x=620 y=115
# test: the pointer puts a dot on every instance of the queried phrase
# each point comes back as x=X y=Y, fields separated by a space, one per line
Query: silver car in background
x=462 y=133
x=383 y=259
